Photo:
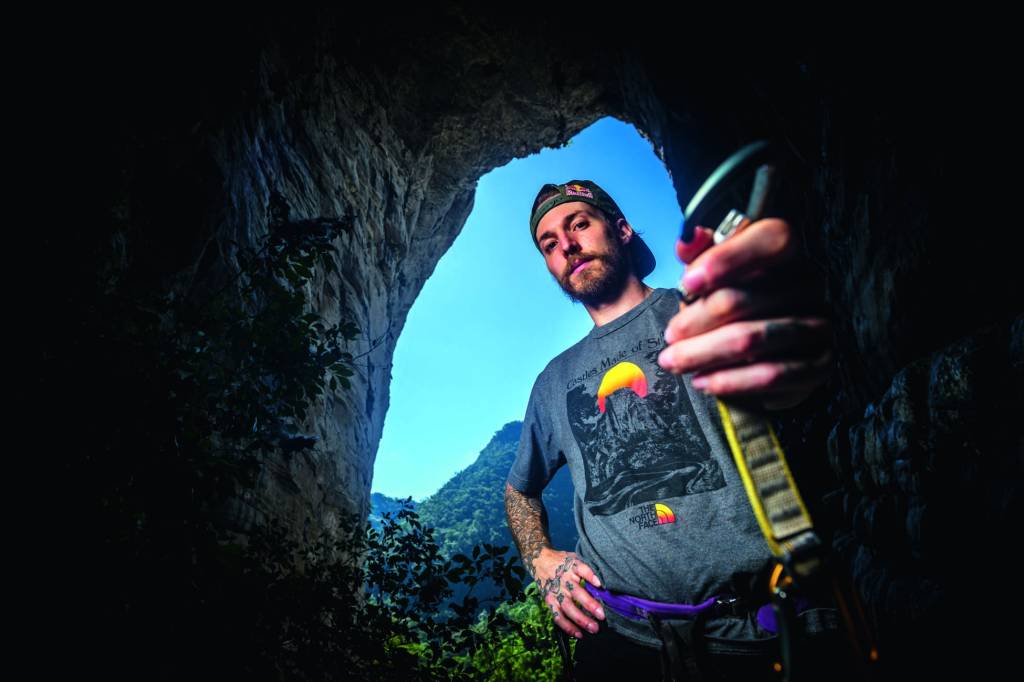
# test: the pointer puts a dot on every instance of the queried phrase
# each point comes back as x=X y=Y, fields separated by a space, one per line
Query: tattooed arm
x=528 y=521
x=557 y=573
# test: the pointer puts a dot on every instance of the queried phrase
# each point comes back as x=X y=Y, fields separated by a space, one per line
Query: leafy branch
x=201 y=394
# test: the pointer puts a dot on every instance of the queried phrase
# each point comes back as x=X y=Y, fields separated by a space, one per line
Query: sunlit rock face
x=914 y=450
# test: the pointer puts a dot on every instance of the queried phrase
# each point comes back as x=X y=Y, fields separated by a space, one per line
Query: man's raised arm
x=557 y=573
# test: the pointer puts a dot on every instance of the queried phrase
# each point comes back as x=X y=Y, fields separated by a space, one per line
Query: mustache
x=572 y=266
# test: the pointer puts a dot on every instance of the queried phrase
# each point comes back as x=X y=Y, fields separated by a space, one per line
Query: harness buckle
x=730 y=606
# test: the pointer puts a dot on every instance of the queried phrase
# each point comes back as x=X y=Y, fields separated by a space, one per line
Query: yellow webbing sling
x=773 y=494
x=789 y=532
x=780 y=511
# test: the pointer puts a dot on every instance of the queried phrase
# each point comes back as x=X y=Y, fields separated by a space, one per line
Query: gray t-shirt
x=660 y=508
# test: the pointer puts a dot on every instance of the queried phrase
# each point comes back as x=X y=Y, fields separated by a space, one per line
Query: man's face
x=583 y=253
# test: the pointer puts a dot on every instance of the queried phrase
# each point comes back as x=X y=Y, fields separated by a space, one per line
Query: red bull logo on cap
x=578 y=191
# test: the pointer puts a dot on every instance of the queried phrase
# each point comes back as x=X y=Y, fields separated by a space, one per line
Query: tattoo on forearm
x=528 y=521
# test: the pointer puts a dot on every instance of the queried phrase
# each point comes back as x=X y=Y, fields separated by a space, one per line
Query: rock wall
x=391 y=119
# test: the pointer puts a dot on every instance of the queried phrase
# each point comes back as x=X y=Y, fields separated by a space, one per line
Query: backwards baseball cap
x=589 y=192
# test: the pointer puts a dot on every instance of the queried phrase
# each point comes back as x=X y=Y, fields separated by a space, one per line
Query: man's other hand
x=750 y=332
x=558 y=574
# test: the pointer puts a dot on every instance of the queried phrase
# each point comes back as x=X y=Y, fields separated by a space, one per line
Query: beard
x=602 y=281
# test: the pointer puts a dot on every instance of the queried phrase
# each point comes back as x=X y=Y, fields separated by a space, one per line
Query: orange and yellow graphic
x=665 y=514
x=622 y=375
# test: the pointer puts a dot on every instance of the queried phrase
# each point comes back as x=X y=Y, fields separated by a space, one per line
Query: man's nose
x=567 y=243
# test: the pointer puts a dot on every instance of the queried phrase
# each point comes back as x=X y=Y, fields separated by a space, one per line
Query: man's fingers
x=562 y=617
x=764 y=244
x=736 y=303
x=703 y=238
x=746 y=342
x=559 y=617
x=578 y=616
x=770 y=379
x=587 y=573
x=580 y=595
x=568 y=599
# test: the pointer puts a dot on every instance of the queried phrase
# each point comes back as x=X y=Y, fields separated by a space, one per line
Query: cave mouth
x=470 y=322
x=393 y=123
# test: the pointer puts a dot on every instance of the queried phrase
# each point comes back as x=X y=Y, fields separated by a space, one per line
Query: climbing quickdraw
x=771 y=489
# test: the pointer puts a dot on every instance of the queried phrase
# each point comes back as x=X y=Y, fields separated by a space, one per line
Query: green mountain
x=470 y=508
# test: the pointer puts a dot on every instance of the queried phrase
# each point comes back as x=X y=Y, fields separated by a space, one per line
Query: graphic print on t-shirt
x=639 y=437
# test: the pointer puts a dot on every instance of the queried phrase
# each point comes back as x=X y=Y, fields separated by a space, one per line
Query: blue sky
x=490 y=317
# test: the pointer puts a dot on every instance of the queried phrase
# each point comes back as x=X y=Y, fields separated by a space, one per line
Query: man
x=661 y=512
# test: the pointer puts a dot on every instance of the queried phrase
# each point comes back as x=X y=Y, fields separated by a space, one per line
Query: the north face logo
x=653 y=515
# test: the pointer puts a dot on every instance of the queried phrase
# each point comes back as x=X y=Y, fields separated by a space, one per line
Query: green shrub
x=192 y=393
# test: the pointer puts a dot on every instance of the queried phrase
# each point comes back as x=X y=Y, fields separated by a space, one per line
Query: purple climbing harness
x=637 y=608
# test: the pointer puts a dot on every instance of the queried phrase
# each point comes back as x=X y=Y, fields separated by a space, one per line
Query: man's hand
x=746 y=335
x=558 y=574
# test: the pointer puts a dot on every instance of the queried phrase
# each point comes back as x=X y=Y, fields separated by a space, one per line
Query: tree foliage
x=193 y=393
x=381 y=619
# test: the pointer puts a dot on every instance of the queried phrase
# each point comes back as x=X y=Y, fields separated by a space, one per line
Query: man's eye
x=547 y=247
x=581 y=224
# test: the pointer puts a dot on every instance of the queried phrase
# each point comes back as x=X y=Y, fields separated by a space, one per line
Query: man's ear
x=624 y=230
